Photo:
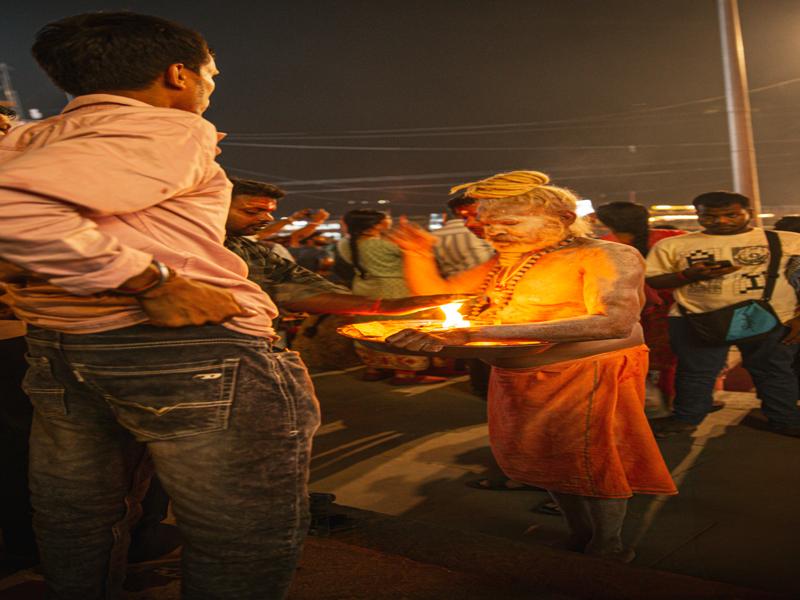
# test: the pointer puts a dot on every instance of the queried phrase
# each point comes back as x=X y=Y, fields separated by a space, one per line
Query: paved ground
x=409 y=452
x=404 y=455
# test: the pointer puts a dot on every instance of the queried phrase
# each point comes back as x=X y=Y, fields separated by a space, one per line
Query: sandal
x=502 y=484
x=548 y=507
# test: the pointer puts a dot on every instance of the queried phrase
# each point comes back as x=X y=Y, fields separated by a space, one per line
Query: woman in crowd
x=629 y=223
x=378 y=266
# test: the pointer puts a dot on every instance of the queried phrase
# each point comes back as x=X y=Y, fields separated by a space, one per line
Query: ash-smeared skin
x=616 y=302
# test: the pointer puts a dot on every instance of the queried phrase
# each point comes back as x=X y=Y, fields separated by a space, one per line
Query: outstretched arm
x=350 y=304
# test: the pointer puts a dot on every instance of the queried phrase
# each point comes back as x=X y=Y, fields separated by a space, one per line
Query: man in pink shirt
x=144 y=331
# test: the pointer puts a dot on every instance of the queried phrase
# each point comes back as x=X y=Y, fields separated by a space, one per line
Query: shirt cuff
x=128 y=263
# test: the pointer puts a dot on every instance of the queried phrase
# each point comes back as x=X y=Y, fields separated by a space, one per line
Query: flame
x=453 y=318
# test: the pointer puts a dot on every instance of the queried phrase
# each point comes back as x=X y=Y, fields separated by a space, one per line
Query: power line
x=573 y=120
x=632 y=147
x=556 y=176
x=288 y=182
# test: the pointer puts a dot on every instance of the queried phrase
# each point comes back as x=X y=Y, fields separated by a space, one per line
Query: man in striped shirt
x=460 y=245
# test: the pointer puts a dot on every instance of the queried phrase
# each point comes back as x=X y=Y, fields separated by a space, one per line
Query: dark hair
x=251 y=187
x=627 y=217
x=720 y=199
x=457 y=202
x=107 y=51
x=788 y=223
x=359 y=221
x=9 y=112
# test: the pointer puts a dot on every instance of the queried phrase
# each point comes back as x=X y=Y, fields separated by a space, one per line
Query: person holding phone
x=724 y=264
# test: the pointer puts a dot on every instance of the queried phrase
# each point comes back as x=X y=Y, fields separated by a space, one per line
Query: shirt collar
x=90 y=99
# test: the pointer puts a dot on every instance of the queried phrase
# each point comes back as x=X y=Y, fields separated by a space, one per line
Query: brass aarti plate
x=373 y=335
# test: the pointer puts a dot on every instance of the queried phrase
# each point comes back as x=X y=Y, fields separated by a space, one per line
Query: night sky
x=349 y=102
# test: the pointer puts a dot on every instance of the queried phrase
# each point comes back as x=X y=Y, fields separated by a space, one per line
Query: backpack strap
x=775 y=255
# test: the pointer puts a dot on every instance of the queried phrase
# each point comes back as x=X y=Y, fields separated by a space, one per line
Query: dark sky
x=431 y=93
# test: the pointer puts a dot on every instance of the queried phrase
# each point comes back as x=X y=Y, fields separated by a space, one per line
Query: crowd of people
x=151 y=303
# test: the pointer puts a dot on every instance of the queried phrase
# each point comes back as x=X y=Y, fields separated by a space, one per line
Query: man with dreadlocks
x=571 y=418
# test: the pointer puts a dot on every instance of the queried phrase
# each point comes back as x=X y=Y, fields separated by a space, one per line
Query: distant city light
x=694 y=217
x=585 y=207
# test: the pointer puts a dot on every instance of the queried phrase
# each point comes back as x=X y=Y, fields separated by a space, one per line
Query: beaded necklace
x=504 y=285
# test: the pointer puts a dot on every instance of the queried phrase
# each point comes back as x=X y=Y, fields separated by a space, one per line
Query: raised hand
x=319 y=216
x=411 y=237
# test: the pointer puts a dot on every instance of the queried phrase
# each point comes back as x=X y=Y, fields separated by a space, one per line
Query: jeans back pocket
x=44 y=390
x=161 y=402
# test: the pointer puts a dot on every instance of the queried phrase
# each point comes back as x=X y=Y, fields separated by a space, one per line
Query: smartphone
x=720 y=264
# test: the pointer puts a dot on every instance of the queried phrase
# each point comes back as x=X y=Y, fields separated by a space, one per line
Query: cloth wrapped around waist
x=578 y=426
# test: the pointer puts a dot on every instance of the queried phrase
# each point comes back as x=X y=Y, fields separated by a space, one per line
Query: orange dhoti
x=578 y=427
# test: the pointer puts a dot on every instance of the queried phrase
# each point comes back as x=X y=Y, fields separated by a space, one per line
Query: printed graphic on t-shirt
x=748 y=251
x=709 y=286
x=750 y=255
x=701 y=255
x=750 y=282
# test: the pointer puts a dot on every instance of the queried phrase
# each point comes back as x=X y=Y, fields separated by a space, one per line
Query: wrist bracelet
x=682 y=276
x=164 y=273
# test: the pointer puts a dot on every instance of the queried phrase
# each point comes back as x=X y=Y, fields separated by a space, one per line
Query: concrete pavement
x=408 y=452
x=399 y=458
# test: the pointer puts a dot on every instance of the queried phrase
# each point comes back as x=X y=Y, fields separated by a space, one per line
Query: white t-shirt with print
x=746 y=250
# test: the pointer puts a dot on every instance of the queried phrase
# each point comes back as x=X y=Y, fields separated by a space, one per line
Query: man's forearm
x=52 y=240
x=272 y=228
x=590 y=327
x=668 y=281
x=302 y=233
x=338 y=304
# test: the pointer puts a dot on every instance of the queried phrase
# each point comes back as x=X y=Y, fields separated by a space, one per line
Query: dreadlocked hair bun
x=523 y=190
x=503 y=185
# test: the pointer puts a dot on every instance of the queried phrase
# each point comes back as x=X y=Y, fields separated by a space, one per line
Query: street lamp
x=737 y=100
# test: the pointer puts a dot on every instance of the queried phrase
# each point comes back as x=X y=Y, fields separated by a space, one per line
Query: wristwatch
x=164 y=274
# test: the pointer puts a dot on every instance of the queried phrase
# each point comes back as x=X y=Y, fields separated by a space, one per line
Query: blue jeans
x=228 y=424
x=769 y=362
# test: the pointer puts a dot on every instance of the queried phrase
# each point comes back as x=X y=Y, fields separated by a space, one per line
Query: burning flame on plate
x=453 y=318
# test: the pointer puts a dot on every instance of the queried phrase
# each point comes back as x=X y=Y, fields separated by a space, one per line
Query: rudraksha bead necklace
x=504 y=286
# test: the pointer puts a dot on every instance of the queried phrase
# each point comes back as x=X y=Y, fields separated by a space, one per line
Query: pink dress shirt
x=89 y=197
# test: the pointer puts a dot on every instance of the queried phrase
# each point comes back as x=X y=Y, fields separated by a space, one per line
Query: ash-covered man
x=569 y=419
x=142 y=328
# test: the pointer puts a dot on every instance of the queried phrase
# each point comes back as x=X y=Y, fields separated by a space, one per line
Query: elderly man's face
x=509 y=230
x=5 y=124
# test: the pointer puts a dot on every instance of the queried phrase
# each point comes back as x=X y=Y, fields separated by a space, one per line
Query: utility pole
x=9 y=96
x=737 y=99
